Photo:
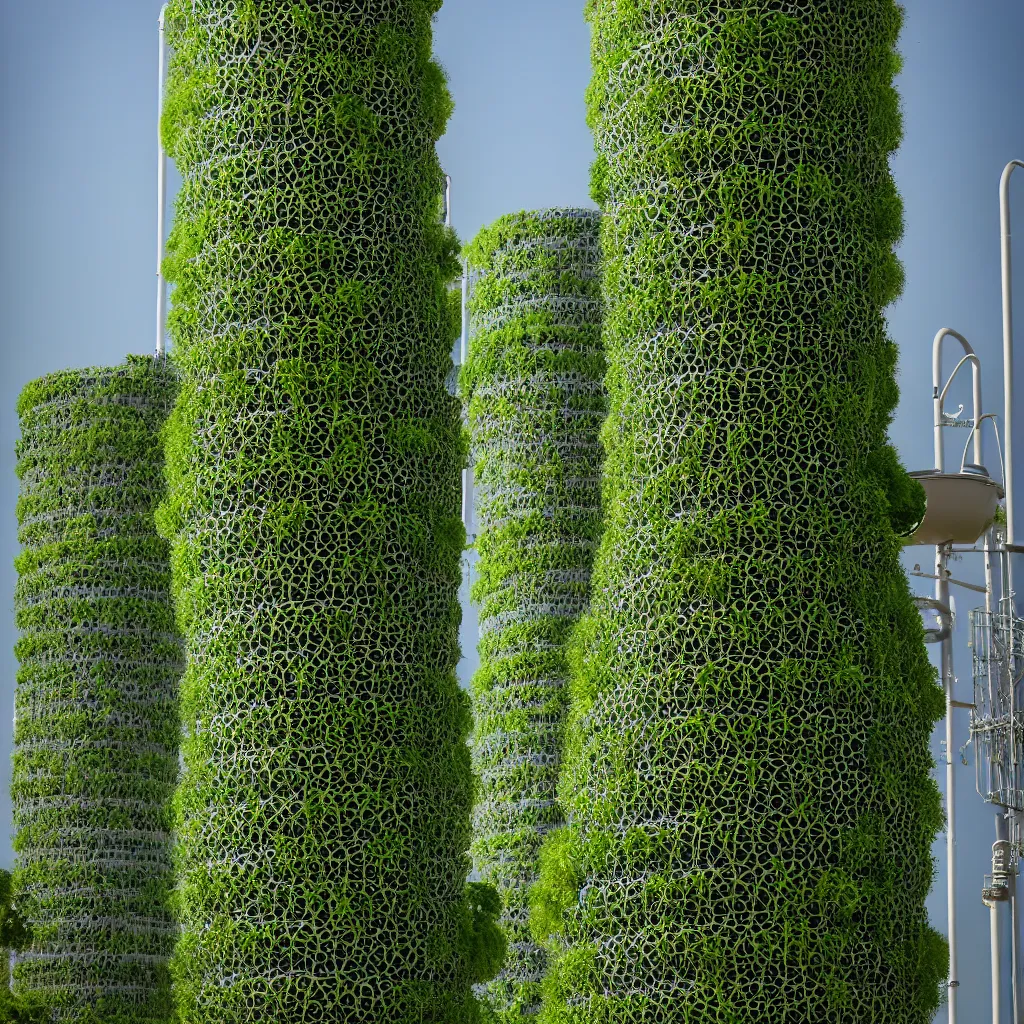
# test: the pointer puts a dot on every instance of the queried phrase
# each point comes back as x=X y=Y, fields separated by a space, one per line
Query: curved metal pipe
x=999 y=447
x=939 y=392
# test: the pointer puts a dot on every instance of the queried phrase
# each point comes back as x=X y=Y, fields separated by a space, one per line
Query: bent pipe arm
x=939 y=392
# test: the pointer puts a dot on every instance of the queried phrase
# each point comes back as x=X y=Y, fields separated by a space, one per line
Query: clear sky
x=77 y=229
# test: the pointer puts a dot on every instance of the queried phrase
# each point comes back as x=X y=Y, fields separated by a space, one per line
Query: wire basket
x=997 y=721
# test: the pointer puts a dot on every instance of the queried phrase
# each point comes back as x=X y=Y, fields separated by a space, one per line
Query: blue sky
x=77 y=227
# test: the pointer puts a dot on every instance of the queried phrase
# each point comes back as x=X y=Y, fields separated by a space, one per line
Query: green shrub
x=746 y=773
x=14 y=936
x=314 y=460
x=534 y=389
x=96 y=733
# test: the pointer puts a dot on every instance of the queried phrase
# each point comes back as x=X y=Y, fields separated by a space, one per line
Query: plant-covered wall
x=96 y=731
x=314 y=459
x=746 y=767
x=534 y=389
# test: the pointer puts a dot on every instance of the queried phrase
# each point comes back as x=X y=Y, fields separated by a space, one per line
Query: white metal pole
x=1006 y=261
x=997 y=979
x=1007 y=274
x=161 y=201
x=942 y=596
x=995 y=923
x=467 y=473
x=464 y=342
x=1015 y=949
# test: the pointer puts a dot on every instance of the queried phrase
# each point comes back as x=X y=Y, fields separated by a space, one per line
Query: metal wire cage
x=997 y=720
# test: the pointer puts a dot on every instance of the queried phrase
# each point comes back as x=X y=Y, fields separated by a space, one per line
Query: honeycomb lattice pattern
x=96 y=734
x=314 y=460
x=746 y=772
x=535 y=394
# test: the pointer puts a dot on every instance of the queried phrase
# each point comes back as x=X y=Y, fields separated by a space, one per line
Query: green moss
x=535 y=401
x=745 y=773
x=314 y=459
x=96 y=735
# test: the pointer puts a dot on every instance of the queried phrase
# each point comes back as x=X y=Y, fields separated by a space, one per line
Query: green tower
x=534 y=386
x=96 y=730
x=314 y=459
x=746 y=772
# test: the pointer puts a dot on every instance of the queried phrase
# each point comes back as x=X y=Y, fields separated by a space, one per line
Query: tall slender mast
x=161 y=201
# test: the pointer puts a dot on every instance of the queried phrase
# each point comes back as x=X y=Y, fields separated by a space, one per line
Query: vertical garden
x=746 y=769
x=96 y=735
x=534 y=390
x=314 y=460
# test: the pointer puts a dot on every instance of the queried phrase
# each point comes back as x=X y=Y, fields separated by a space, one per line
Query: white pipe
x=942 y=596
x=464 y=342
x=999 y=447
x=994 y=921
x=467 y=473
x=939 y=392
x=1006 y=254
x=447 y=200
x=1015 y=949
x=161 y=201
x=997 y=979
x=1007 y=274
x=996 y=928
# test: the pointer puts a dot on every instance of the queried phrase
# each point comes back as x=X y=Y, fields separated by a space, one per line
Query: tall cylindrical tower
x=96 y=733
x=314 y=459
x=746 y=769
x=534 y=385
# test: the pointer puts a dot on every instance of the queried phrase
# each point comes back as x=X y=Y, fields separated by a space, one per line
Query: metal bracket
x=949 y=579
x=945 y=616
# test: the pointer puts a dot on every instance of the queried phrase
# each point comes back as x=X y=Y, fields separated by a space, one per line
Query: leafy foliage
x=746 y=776
x=314 y=459
x=14 y=933
x=533 y=385
x=96 y=734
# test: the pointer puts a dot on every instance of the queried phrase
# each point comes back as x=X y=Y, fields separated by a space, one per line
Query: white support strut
x=939 y=392
x=161 y=200
x=1006 y=268
x=942 y=596
x=467 y=473
x=1006 y=250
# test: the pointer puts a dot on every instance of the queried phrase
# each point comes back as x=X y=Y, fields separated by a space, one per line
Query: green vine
x=746 y=773
x=533 y=385
x=96 y=736
x=314 y=460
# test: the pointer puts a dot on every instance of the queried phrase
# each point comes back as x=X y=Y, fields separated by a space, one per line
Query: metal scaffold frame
x=963 y=517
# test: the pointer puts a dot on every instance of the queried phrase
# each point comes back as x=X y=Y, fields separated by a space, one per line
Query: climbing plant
x=96 y=733
x=314 y=460
x=746 y=770
x=534 y=391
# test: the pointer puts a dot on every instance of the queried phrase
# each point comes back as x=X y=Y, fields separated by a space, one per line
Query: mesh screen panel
x=745 y=774
x=534 y=388
x=96 y=735
x=314 y=461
